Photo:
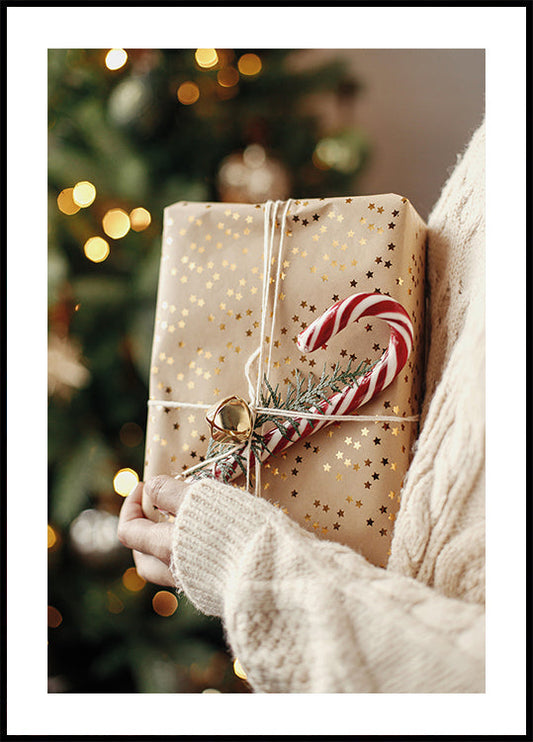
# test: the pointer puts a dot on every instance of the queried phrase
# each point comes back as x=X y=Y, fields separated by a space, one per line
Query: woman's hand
x=151 y=542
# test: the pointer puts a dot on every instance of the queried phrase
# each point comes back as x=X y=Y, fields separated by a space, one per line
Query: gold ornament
x=231 y=420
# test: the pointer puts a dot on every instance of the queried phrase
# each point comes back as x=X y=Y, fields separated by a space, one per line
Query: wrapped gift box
x=344 y=481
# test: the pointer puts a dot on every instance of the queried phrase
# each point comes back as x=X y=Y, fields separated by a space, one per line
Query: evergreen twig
x=299 y=397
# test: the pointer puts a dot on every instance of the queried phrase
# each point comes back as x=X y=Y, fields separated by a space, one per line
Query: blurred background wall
x=419 y=108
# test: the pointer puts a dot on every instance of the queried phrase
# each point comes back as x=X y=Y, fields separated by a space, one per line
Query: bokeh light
x=237 y=669
x=332 y=152
x=206 y=58
x=125 y=481
x=164 y=603
x=52 y=537
x=84 y=193
x=115 y=59
x=116 y=223
x=93 y=535
x=188 y=93
x=227 y=77
x=96 y=249
x=54 y=617
x=140 y=218
x=132 y=580
x=66 y=203
x=249 y=64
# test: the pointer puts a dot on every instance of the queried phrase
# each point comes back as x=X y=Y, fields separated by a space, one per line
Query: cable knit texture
x=304 y=615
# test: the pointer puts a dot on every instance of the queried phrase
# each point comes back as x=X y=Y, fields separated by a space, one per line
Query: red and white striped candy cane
x=361 y=391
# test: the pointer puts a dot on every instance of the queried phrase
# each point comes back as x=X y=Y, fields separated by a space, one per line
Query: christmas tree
x=130 y=132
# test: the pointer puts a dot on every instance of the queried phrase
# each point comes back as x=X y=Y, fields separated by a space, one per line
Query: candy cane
x=353 y=396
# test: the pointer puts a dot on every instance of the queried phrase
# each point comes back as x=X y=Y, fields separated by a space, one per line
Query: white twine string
x=254 y=389
x=295 y=414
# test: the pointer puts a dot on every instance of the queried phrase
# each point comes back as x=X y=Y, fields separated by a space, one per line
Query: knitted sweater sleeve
x=306 y=615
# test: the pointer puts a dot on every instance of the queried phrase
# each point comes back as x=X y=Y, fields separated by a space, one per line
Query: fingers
x=138 y=533
x=166 y=493
x=152 y=569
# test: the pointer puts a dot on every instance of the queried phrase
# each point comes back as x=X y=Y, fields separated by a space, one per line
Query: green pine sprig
x=301 y=395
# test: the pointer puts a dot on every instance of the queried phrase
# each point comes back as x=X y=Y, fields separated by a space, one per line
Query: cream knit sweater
x=305 y=615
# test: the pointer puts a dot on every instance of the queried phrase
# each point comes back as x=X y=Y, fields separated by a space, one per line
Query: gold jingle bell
x=230 y=420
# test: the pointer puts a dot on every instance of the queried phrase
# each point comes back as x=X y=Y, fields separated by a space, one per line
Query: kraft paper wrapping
x=343 y=482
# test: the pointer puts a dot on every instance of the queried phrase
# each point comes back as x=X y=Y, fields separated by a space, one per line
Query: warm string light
x=140 y=218
x=206 y=58
x=227 y=77
x=237 y=669
x=96 y=249
x=249 y=64
x=83 y=193
x=54 y=617
x=125 y=481
x=116 y=223
x=188 y=93
x=115 y=59
x=52 y=538
x=66 y=203
x=132 y=580
x=164 y=603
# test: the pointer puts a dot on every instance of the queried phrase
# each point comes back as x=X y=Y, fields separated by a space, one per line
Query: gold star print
x=359 y=503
